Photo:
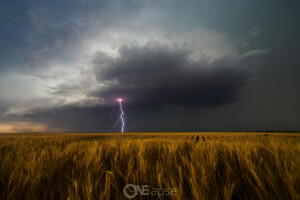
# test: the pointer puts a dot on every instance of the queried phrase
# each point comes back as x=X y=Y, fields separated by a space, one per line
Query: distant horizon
x=162 y=132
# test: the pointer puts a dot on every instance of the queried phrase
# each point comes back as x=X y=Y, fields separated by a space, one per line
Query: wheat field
x=197 y=165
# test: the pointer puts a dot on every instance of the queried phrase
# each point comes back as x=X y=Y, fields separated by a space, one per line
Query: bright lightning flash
x=122 y=115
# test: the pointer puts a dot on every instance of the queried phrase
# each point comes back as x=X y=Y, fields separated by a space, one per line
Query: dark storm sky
x=202 y=65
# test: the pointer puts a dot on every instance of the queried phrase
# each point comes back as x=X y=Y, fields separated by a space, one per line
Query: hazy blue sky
x=202 y=65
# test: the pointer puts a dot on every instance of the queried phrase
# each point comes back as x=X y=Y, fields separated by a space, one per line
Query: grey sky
x=179 y=65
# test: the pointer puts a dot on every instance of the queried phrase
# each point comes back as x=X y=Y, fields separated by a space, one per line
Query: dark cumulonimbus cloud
x=153 y=75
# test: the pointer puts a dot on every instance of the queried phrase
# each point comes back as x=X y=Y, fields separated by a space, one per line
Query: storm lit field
x=198 y=165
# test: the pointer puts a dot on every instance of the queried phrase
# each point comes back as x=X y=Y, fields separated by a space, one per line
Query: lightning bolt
x=122 y=115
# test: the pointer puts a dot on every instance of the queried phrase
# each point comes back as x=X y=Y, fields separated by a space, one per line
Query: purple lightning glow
x=122 y=115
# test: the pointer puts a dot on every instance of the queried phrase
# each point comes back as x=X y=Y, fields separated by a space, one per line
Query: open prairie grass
x=198 y=165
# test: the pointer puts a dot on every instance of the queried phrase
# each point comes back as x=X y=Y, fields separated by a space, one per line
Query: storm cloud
x=155 y=75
